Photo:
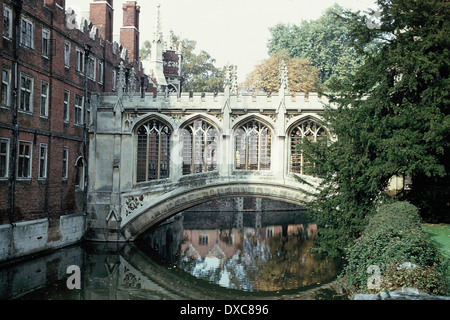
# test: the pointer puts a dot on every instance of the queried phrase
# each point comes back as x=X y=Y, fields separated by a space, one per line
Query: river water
x=194 y=255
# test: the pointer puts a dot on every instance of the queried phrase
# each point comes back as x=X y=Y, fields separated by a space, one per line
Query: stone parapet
x=210 y=101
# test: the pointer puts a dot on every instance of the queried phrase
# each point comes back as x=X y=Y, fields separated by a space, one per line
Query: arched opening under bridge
x=175 y=202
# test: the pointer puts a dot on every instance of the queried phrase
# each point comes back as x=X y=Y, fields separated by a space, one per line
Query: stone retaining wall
x=406 y=293
x=37 y=235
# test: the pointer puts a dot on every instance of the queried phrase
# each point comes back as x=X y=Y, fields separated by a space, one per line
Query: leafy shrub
x=427 y=279
x=394 y=235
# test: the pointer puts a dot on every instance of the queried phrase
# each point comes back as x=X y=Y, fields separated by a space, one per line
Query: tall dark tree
x=392 y=118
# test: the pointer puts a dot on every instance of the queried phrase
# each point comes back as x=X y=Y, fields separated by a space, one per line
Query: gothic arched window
x=253 y=146
x=153 y=148
x=200 y=146
x=305 y=130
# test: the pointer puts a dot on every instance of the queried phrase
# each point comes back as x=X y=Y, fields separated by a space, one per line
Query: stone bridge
x=154 y=156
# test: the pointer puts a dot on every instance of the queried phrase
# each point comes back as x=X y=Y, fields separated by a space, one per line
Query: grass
x=440 y=233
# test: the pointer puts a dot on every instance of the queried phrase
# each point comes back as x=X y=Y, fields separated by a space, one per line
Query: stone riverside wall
x=37 y=235
x=406 y=293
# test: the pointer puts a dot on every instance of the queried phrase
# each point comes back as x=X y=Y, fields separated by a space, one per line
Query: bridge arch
x=177 y=201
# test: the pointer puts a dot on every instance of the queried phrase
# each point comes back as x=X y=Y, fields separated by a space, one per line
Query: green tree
x=391 y=118
x=145 y=50
x=325 y=42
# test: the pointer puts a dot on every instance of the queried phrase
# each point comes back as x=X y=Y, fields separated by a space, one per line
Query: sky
x=231 y=31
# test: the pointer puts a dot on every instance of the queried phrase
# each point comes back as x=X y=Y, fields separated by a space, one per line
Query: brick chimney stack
x=101 y=15
x=129 y=33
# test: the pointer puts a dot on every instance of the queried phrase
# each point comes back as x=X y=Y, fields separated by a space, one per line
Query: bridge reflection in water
x=195 y=255
x=250 y=251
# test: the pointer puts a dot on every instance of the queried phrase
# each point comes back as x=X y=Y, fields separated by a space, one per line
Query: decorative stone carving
x=272 y=116
x=177 y=117
x=128 y=122
x=132 y=83
x=116 y=163
x=234 y=116
x=284 y=80
x=289 y=116
x=230 y=79
x=121 y=77
x=118 y=108
x=157 y=33
x=219 y=116
x=132 y=203
x=234 y=84
x=227 y=78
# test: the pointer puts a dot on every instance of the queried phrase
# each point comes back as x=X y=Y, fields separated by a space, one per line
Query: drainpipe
x=16 y=19
x=87 y=51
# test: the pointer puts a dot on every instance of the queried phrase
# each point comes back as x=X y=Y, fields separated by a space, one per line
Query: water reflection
x=251 y=251
x=227 y=257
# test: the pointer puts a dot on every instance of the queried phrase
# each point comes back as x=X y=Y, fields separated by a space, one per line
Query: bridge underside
x=176 y=202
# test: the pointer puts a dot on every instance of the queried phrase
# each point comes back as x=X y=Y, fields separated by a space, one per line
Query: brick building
x=51 y=60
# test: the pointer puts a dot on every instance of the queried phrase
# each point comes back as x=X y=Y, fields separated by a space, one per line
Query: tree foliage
x=391 y=118
x=265 y=76
x=325 y=42
x=144 y=53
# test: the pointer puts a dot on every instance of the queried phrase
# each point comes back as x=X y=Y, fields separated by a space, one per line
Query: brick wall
x=53 y=195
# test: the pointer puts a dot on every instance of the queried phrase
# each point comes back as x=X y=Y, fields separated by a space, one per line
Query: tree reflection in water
x=269 y=257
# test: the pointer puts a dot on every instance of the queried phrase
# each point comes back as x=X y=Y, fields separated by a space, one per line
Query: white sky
x=231 y=31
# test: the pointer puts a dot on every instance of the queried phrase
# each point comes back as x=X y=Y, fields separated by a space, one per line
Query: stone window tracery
x=305 y=130
x=253 y=146
x=200 y=145
x=153 y=151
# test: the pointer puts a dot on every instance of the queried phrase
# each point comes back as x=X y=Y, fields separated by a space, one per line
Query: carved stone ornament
x=234 y=84
x=132 y=203
x=132 y=83
x=227 y=81
x=121 y=76
x=116 y=163
x=272 y=116
x=230 y=79
x=129 y=121
x=219 y=116
x=284 y=80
